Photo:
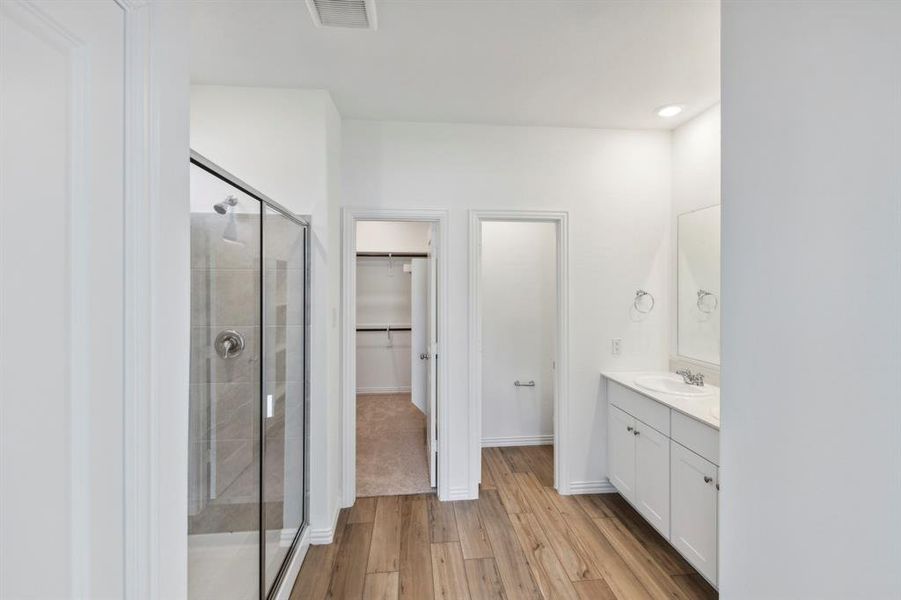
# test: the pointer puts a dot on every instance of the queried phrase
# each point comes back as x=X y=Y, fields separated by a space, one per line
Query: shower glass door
x=224 y=396
x=284 y=381
x=247 y=480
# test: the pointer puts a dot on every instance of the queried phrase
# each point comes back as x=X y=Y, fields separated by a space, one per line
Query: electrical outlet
x=616 y=346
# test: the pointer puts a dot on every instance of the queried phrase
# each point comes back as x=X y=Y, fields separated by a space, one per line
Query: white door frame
x=561 y=358
x=155 y=319
x=440 y=219
x=157 y=279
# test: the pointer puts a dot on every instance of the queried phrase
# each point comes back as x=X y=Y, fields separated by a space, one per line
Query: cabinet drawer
x=644 y=409
x=696 y=436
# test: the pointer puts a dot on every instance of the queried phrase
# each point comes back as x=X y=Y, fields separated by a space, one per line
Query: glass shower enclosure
x=247 y=471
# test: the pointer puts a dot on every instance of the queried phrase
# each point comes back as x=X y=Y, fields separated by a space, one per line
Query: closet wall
x=384 y=291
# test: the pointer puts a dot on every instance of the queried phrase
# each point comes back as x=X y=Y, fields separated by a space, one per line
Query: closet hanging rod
x=393 y=254
x=386 y=328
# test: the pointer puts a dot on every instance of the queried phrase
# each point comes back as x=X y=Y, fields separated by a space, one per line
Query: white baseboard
x=517 y=440
x=325 y=535
x=403 y=389
x=461 y=493
x=592 y=487
x=287 y=584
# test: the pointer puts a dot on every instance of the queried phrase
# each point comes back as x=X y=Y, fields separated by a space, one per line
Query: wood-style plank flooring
x=520 y=539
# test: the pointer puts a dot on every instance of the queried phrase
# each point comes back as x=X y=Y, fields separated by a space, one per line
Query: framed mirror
x=698 y=285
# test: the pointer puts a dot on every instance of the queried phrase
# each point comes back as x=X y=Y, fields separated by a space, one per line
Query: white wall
x=393 y=236
x=384 y=295
x=519 y=317
x=286 y=143
x=696 y=184
x=810 y=442
x=616 y=187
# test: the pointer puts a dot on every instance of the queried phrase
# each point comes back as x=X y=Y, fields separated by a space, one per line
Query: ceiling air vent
x=354 y=14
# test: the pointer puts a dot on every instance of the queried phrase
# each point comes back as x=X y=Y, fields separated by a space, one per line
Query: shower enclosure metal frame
x=302 y=221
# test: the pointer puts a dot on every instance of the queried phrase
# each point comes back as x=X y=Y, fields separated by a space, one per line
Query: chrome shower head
x=222 y=207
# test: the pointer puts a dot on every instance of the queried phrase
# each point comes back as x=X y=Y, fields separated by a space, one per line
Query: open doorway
x=395 y=340
x=518 y=359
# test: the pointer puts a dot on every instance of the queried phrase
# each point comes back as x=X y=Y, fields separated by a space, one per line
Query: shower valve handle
x=229 y=344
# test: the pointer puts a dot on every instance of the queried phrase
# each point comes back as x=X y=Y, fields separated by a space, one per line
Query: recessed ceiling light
x=670 y=110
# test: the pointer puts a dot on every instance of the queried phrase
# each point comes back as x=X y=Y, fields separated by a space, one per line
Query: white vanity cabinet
x=639 y=466
x=664 y=463
x=621 y=452
x=652 y=485
x=693 y=500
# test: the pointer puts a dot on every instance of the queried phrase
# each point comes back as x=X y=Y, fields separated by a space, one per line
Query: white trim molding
x=441 y=242
x=325 y=535
x=592 y=487
x=403 y=389
x=156 y=140
x=518 y=440
x=561 y=360
x=461 y=493
x=156 y=299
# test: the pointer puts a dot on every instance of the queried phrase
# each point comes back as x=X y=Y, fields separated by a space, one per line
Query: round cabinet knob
x=629 y=428
x=707 y=479
x=635 y=432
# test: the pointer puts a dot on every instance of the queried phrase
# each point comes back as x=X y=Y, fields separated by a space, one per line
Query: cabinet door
x=652 y=473
x=621 y=452
x=694 y=510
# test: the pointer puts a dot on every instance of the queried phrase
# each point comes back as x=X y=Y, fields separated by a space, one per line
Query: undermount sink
x=671 y=384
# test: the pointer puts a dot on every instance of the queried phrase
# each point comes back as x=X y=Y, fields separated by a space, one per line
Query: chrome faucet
x=691 y=378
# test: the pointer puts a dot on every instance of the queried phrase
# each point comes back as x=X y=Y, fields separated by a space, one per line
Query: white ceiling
x=578 y=63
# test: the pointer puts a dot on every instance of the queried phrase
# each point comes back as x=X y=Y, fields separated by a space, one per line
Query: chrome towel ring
x=644 y=302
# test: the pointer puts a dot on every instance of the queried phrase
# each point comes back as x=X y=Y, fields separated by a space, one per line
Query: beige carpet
x=391 y=449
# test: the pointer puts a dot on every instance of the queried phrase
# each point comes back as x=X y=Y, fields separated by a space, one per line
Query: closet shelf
x=384 y=328
x=393 y=254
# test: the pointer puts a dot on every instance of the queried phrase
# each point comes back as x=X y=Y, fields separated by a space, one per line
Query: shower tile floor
x=223 y=566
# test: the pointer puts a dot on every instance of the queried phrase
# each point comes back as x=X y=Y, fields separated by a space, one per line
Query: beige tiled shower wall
x=224 y=393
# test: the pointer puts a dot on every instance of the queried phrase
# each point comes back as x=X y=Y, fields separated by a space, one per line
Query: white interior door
x=62 y=117
x=419 y=341
x=432 y=358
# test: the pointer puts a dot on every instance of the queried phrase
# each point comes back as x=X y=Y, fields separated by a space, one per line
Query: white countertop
x=705 y=409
